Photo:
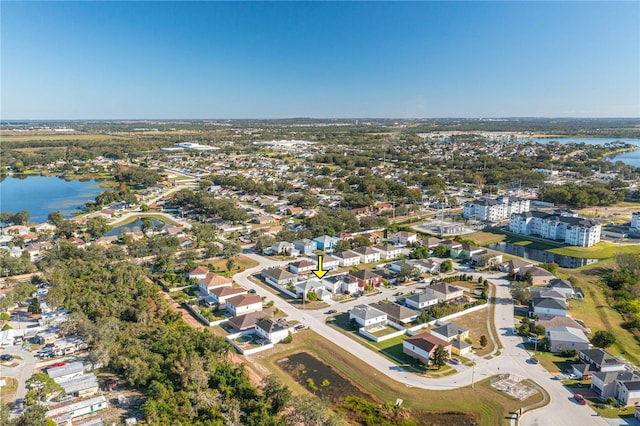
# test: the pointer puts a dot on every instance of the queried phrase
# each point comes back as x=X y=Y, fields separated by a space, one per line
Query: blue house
x=305 y=246
x=326 y=243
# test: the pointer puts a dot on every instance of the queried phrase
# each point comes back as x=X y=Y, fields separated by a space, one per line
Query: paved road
x=22 y=371
x=513 y=359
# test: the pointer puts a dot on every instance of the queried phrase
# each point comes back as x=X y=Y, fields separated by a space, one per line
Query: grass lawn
x=482 y=238
x=596 y=311
x=602 y=250
x=493 y=407
x=135 y=217
x=9 y=389
x=552 y=362
x=241 y=263
x=476 y=322
x=613 y=412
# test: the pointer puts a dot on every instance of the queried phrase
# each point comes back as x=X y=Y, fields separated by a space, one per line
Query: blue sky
x=118 y=60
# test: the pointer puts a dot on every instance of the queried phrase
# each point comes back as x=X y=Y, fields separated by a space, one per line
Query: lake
x=41 y=195
x=631 y=158
x=588 y=141
x=541 y=255
x=134 y=226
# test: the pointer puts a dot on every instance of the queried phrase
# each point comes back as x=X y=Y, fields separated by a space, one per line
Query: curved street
x=513 y=358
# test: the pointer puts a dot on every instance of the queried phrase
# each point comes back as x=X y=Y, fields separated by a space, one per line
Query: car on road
x=534 y=360
x=580 y=399
x=6 y=357
x=299 y=326
x=252 y=291
x=398 y=293
x=331 y=311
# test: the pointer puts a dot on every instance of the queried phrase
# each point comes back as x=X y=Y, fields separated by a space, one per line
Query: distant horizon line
x=8 y=121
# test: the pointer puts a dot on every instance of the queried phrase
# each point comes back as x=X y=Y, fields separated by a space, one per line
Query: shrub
x=288 y=339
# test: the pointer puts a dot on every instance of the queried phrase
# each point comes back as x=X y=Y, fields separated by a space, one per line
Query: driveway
x=22 y=371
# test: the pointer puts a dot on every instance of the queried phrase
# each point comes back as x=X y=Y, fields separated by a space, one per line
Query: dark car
x=6 y=357
x=580 y=399
x=252 y=291
x=331 y=311
x=399 y=293
x=534 y=360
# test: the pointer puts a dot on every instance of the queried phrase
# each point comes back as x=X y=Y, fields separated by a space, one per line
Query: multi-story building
x=575 y=231
x=490 y=210
x=635 y=224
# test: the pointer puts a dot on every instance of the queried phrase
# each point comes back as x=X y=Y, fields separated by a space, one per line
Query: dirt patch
x=440 y=418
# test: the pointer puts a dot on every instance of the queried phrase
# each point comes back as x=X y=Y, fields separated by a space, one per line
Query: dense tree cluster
x=251 y=186
x=593 y=194
x=132 y=330
x=624 y=288
x=137 y=176
x=207 y=204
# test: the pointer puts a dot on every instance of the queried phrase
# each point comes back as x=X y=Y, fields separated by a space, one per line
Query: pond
x=319 y=378
x=541 y=255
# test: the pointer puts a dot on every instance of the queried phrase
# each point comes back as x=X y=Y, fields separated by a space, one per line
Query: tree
x=446 y=266
x=479 y=181
x=407 y=272
x=441 y=252
x=439 y=357
x=42 y=388
x=21 y=218
x=421 y=252
x=147 y=225
x=423 y=318
x=311 y=411
x=34 y=307
x=603 y=339
x=97 y=227
x=276 y=394
x=360 y=241
x=230 y=264
x=56 y=218
x=342 y=245
x=483 y=341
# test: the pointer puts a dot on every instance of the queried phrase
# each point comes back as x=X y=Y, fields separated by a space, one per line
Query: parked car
x=398 y=293
x=299 y=326
x=252 y=291
x=455 y=361
x=580 y=399
x=6 y=357
x=561 y=377
x=533 y=340
x=534 y=360
x=331 y=311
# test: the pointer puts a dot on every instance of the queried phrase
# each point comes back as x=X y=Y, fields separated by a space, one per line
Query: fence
x=400 y=332
x=247 y=351
x=202 y=319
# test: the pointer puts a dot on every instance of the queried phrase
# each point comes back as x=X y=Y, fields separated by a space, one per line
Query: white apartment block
x=575 y=231
x=490 y=210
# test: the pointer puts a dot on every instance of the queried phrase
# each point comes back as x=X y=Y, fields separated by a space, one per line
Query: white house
x=302 y=267
x=66 y=372
x=274 y=330
x=243 y=304
x=566 y=338
x=199 y=273
x=340 y=284
x=388 y=251
x=367 y=254
x=547 y=306
x=403 y=238
x=628 y=392
x=367 y=316
x=62 y=414
x=348 y=258
x=213 y=281
x=277 y=276
x=221 y=294
x=329 y=263
x=422 y=300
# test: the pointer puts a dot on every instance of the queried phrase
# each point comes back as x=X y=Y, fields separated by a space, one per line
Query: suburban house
x=286 y=248
x=561 y=338
x=248 y=321
x=604 y=383
x=426 y=266
x=365 y=277
x=367 y=317
x=274 y=330
x=583 y=371
x=555 y=321
x=403 y=238
x=431 y=242
x=340 y=284
x=277 y=276
x=367 y=254
x=460 y=347
x=446 y=292
x=451 y=245
x=562 y=286
x=422 y=300
x=326 y=243
x=212 y=281
x=66 y=372
x=465 y=252
x=548 y=293
x=302 y=267
x=388 y=251
x=395 y=312
x=313 y=286
x=547 y=306
x=486 y=258
x=199 y=273
x=397 y=265
x=221 y=294
x=305 y=246
x=450 y=332
x=514 y=266
x=600 y=360
x=628 y=392
x=347 y=258
x=243 y=304
x=329 y=262
x=423 y=345
x=539 y=276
